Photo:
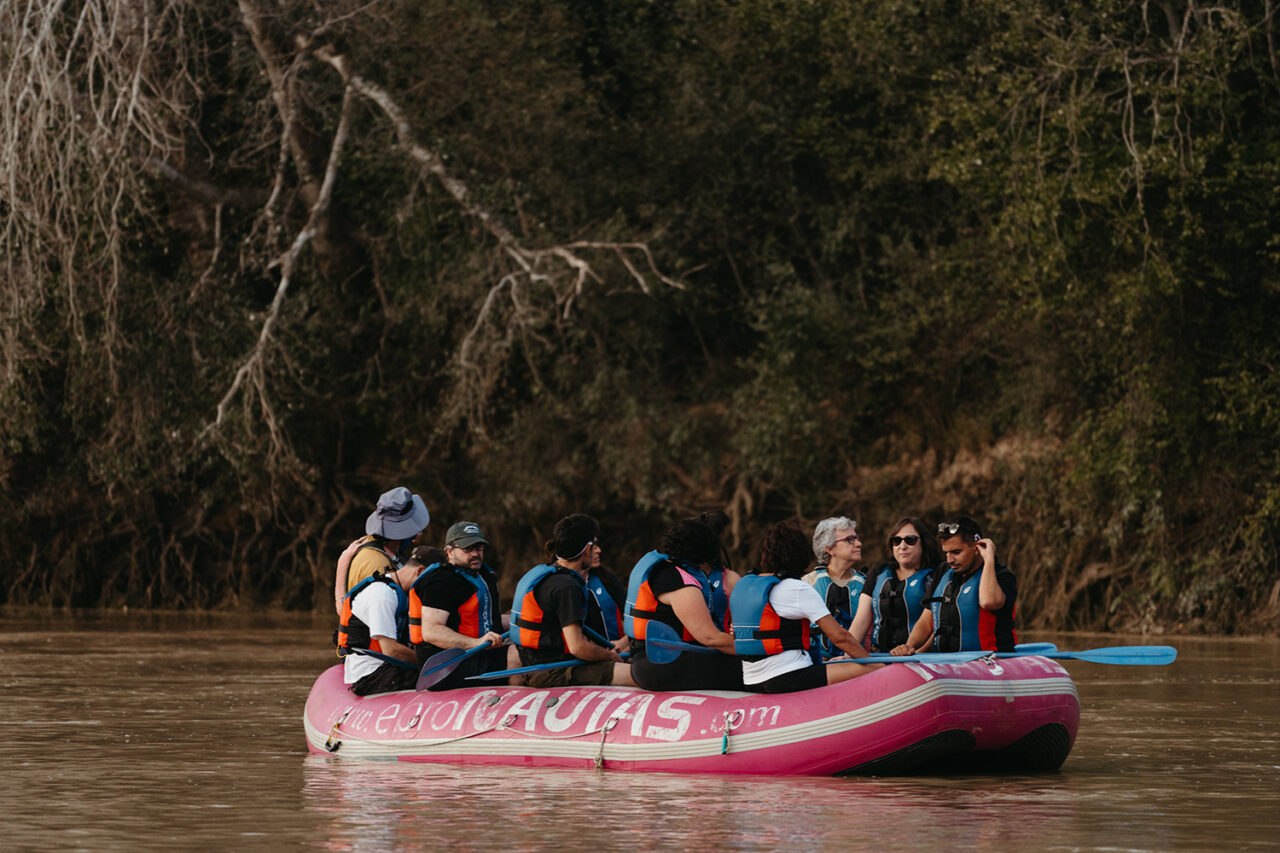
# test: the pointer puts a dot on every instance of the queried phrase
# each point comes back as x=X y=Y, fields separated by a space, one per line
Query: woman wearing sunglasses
x=894 y=595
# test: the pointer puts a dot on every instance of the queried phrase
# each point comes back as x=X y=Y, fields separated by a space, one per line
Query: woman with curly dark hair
x=895 y=594
x=685 y=586
x=772 y=610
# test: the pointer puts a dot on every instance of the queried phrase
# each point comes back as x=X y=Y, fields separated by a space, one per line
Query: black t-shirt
x=446 y=589
x=663 y=578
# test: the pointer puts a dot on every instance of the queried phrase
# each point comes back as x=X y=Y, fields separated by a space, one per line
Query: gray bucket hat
x=400 y=515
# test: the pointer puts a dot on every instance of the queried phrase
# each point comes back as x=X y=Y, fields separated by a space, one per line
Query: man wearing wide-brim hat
x=390 y=531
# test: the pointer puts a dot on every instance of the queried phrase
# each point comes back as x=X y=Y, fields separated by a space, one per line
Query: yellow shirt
x=366 y=562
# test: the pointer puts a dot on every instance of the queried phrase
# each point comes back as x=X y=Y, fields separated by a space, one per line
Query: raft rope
x=604 y=735
x=732 y=719
x=329 y=744
x=603 y=731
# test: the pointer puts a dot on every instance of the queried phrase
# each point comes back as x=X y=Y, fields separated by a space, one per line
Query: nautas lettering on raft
x=574 y=711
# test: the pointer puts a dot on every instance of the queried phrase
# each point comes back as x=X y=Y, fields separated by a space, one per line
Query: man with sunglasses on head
x=454 y=605
x=974 y=598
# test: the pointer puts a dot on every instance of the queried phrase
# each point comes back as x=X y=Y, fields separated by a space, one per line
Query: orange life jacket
x=527 y=617
x=475 y=616
x=353 y=633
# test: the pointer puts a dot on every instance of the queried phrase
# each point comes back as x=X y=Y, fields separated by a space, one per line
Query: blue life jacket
x=642 y=604
x=527 y=617
x=608 y=607
x=960 y=624
x=843 y=608
x=354 y=634
x=896 y=606
x=758 y=631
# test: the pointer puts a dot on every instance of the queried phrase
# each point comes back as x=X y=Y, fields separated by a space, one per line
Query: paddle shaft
x=1119 y=655
x=521 y=670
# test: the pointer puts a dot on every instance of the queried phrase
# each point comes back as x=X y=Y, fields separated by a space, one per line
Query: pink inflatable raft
x=1019 y=713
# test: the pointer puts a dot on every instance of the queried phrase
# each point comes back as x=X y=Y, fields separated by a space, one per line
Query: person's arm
x=841 y=638
x=730 y=579
x=862 y=619
x=990 y=595
x=340 y=587
x=437 y=633
x=582 y=648
x=691 y=610
x=391 y=648
x=920 y=635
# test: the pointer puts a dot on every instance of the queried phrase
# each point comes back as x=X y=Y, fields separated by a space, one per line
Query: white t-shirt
x=375 y=606
x=791 y=599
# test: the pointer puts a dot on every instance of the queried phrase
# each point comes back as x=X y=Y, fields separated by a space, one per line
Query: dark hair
x=690 y=541
x=427 y=555
x=930 y=556
x=968 y=528
x=718 y=522
x=571 y=536
x=784 y=552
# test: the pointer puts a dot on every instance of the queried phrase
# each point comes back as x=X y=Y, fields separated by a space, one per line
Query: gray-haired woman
x=838 y=578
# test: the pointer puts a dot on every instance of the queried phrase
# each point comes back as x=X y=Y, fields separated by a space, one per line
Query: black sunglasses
x=895 y=541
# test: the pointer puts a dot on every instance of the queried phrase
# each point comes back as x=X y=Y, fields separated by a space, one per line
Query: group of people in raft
x=400 y=603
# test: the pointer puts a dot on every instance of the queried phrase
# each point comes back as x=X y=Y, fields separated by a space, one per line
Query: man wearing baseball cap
x=454 y=605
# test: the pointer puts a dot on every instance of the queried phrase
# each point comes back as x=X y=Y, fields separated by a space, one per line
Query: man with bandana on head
x=390 y=532
x=554 y=615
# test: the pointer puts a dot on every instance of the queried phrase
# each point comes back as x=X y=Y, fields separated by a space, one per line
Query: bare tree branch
x=251 y=372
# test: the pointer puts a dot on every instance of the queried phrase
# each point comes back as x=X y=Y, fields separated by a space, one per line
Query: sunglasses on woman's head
x=895 y=541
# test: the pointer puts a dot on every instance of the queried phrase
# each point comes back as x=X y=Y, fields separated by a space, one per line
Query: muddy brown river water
x=162 y=732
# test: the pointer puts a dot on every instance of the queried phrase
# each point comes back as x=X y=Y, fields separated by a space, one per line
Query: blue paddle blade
x=662 y=645
x=438 y=667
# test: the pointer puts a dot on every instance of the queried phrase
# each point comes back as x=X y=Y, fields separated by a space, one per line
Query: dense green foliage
x=1016 y=258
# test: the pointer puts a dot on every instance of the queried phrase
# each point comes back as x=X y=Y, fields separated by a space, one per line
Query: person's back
x=373 y=635
x=554 y=616
x=681 y=586
x=772 y=613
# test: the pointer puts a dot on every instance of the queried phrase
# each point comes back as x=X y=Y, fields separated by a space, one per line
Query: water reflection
x=167 y=732
x=369 y=804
